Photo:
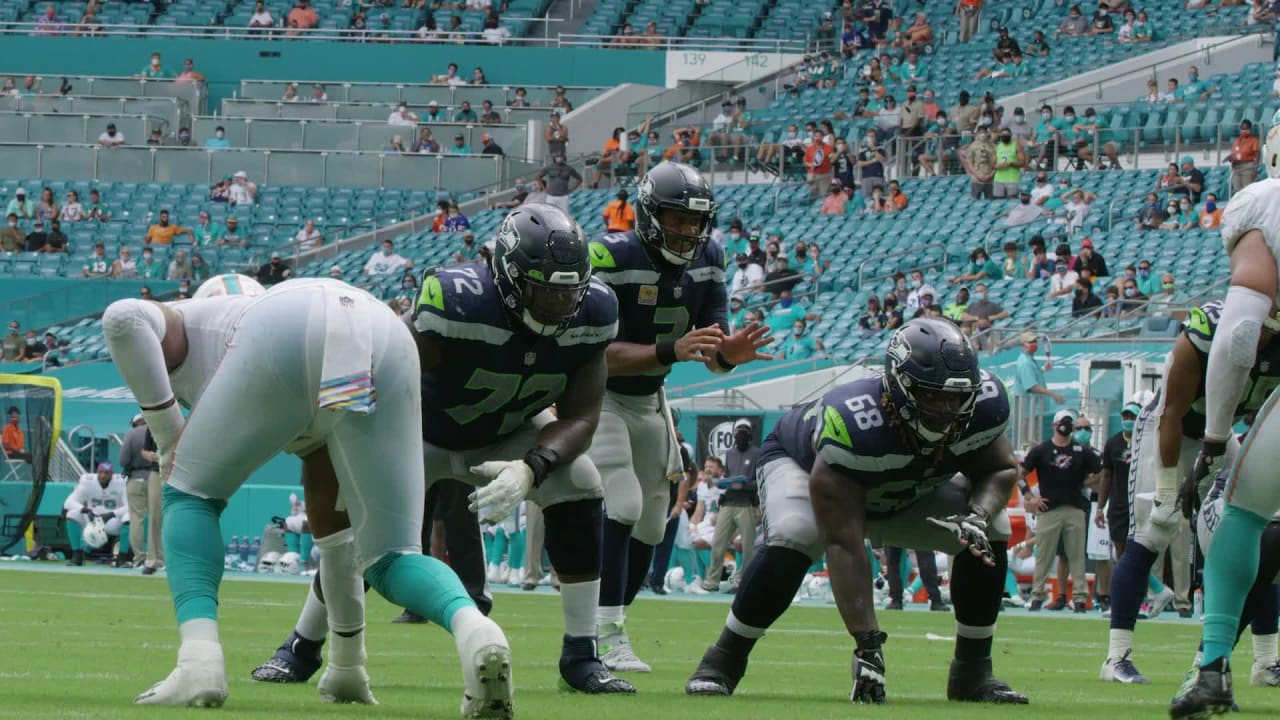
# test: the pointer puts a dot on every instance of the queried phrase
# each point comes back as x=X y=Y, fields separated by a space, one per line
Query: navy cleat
x=581 y=670
x=718 y=674
x=972 y=681
x=295 y=661
x=1122 y=670
x=1205 y=692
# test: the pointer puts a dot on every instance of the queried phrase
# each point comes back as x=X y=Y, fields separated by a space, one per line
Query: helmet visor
x=552 y=304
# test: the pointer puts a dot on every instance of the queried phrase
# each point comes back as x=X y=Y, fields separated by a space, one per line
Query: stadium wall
x=41 y=302
x=226 y=62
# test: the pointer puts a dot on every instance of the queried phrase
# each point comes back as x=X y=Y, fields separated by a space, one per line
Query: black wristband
x=1214 y=448
x=666 y=352
x=872 y=640
x=725 y=364
x=542 y=460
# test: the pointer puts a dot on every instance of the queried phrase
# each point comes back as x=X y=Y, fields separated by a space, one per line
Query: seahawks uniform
x=849 y=429
x=488 y=397
x=633 y=446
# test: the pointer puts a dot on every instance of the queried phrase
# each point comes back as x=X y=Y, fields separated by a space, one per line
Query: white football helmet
x=1271 y=147
x=674 y=580
x=268 y=562
x=290 y=563
x=229 y=284
x=95 y=534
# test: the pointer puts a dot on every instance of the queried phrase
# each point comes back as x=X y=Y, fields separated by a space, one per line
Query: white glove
x=511 y=482
x=969 y=529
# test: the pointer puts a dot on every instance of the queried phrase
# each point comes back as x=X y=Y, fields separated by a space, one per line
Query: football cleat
x=346 y=685
x=1265 y=675
x=1205 y=692
x=718 y=673
x=486 y=673
x=199 y=680
x=1122 y=670
x=295 y=661
x=1158 y=604
x=972 y=681
x=616 y=652
x=408 y=617
x=581 y=670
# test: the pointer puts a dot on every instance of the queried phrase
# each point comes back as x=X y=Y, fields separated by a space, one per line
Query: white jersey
x=90 y=494
x=1257 y=207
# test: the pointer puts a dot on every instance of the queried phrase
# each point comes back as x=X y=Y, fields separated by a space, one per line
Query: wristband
x=724 y=363
x=165 y=425
x=1214 y=448
x=666 y=352
x=541 y=460
x=872 y=640
x=1167 y=481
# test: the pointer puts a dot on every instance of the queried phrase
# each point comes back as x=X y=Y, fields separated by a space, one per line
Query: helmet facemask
x=548 y=306
x=934 y=414
x=683 y=233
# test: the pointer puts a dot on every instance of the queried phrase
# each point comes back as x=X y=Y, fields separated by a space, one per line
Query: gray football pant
x=632 y=449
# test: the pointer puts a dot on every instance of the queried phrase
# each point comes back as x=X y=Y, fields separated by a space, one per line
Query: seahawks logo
x=507 y=234
x=646 y=189
x=899 y=349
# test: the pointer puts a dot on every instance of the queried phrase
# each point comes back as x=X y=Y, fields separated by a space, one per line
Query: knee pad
x=573 y=535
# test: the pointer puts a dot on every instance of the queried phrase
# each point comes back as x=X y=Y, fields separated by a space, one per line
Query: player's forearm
x=850 y=571
x=1231 y=356
x=992 y=492
x=626 y=358
x=567 y=437
x=1169 y=432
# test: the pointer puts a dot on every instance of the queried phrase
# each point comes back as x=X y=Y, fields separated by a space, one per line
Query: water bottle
x=253 y=552
x=232 y=553
x=242 y=549
x=1197 y=600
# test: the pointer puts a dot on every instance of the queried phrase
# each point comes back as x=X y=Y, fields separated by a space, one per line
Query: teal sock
x=1229 y=570
x=124 y=540
x=500 y=546
x=73 y=536
x=306 y=542
x=1154 y=584
x=685 y=559
x=1011 y=584
x=515 y=554
x=193 y=553
x=421 y=584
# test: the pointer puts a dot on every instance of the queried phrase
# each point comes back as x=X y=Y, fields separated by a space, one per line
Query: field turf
x=80 y=643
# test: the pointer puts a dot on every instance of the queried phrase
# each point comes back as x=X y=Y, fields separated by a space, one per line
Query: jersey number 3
x=504 y=389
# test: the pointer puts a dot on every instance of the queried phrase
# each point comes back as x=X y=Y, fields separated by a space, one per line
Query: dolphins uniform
x=849 y=429
x=489 y=396
x=634 y=447
x=90 y=494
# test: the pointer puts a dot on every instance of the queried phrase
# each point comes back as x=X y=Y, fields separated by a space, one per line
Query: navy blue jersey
x=1199 y=328
x=658 y=301
x=849 y=429
x=492 y=377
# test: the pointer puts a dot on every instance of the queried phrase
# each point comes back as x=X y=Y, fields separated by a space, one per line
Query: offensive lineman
x=877 y=459
x=673 y=307
x=1164 y=451
x=499 y=345
x=1251 y=235
x=318 y=350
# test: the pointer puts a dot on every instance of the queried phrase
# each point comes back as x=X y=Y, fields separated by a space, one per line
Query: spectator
x=199 y=270
x=434 y=113
x=1091 y=259
x=1063 y=280
x=1074 y=24
x=308 y=238
x=748 y=278
x=782 y=279
x=942 y=140
x=1042 y=266
x=561 y=180
x=1244 y=158
x=242 y=191
x=230 y=235
x=219 y=140
x=56 y=240
x=12 y=346
x=37 y=239
x=619 y=215
x=179 y=267
x=1143 y=30
x=873 y=318
x=1148 y=281
x=21 y=207
x=981 y=314
x=1084 y=302
x=913 y=118
x=72 y=210
x=1046 y=139
x=34 y=349
x=99 y=496
x=1010 y=159
x=892 y=315
x=154 y=69
x=454 y=220
x=1005 y=45
x=1192 y=180
x=800 y=345
x=889 y=118
x=424 y=144
x=719 y=137
x=1039 y=46
x=758 y=256
x=47 y=208
x=842 y=164
x=556 y=136
x=123 y=267
x=386 y=261
x=163 y=232
x=1063 y=465
x=203 y=233
x=396 y=145
x=979 y=161
x=275 y=271
x=493 y=33
x=302 y=17
x=1024 y=212
x=489 y=146
x=919 y=291
x=970 y=12
x=150 y=268
x=145 y=293
x=189 y=73
x=837 y=200
x=1133 y=300
x=1211 y=218
x=290 y=93
x=1172 y=92
x=1195 y=89
x=1077 y=204
x=12 y=239
x=112 y=137
x=1014 y=266
x=980 y=268
x=1167 y=297
x=1187 y=218
x=1101 y=23
x=261 y=17
x=608 y=156
x=1151 y=217
x=784 y=314
x=561 y=100
x=954 y=311
x=1028 y=375
x=156 y=138
x=897 y=200
x=465 y=114
x=468 y=252
x=517 y=199
x=872 y=162
x=335 y=272
x=401 y=117
x=919 y=34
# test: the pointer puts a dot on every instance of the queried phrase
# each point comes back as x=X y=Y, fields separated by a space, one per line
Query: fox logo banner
x=715 y=434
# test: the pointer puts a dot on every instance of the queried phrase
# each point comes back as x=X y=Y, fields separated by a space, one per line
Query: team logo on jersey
x=648 y=295
x=346 y=302
x=530 y=358
x=677 y=292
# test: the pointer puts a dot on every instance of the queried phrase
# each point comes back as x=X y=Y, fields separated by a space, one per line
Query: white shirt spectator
x=72 y=212
x=1041 y=193
x=109 y=140
x=1062 y=281
x=496 y=35
x=242 y=193
x=1075 y=213
x=745 y=280
x=308 y=238
x=916 y=296
x=721 y=122
x=402 y=118
x=457 y=80
x=889 y=119
x=262 y=19
x=384 y=262
x=481 y=5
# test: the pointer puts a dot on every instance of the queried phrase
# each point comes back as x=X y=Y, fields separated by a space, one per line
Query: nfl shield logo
x=530 y=358
x=346 y=302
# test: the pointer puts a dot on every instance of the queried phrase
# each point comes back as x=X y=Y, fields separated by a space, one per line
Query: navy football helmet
x=932 y=377
x=541 y=267
x=675 y=211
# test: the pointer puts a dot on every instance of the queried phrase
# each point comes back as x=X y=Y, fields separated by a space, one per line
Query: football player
x=1164 y=448
x=98 y=496
x=304 y=361
x=1251 y=234
x=917 y=458
x=499 y=344
x=672 y=308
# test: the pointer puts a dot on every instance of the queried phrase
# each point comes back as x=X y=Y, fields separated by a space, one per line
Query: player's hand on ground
x=699 y=344
x=971 y=530
x=511 y=481
x=744 y=345
x=868 y=669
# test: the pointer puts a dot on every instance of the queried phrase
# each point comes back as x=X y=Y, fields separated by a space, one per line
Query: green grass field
x=81 y=643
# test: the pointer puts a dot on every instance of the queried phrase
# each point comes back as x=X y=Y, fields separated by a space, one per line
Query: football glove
x=970 y=529
x=868 y=669
x=510 y=482
x=1206 y=466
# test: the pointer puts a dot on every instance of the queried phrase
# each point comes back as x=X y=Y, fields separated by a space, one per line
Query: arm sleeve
x=1231 y=357
x=134 y=329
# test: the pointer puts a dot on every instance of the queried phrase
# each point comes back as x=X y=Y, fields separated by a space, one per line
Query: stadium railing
x=414 y=94
x=193 y=94
x=172 y=110
x=371 y=135
x=365 y=112
x=59 y=128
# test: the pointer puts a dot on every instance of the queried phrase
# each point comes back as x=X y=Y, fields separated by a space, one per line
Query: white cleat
x=1158 y=604
x=346 y=685
x=1265 y=675
x=486 y=673
x=616 y=652
x=199 y=680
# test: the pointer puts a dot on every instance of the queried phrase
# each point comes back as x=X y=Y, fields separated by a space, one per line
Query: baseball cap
x=1087 y=243
x=1131 y=408
x=433 y=103
x=105 y=466
x=1064 y=413
x=1028 y=337
x=136 y=419
x=20 y=191
x=742 y=422
x=241 y=174
x=1187 y=160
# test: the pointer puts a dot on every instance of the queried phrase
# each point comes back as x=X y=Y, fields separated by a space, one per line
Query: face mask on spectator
x=1144 y=272
x=784 y=303
x=1069 y=118
x=1130 y=292
x=1127 y=426
x=797 y=331
x=219 y=133
x=1167 y=286
x=1061 y=269
x=916 y=283
x=1210 y=205
x=1082 y=436
x=982 y=295
x=386 y=251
